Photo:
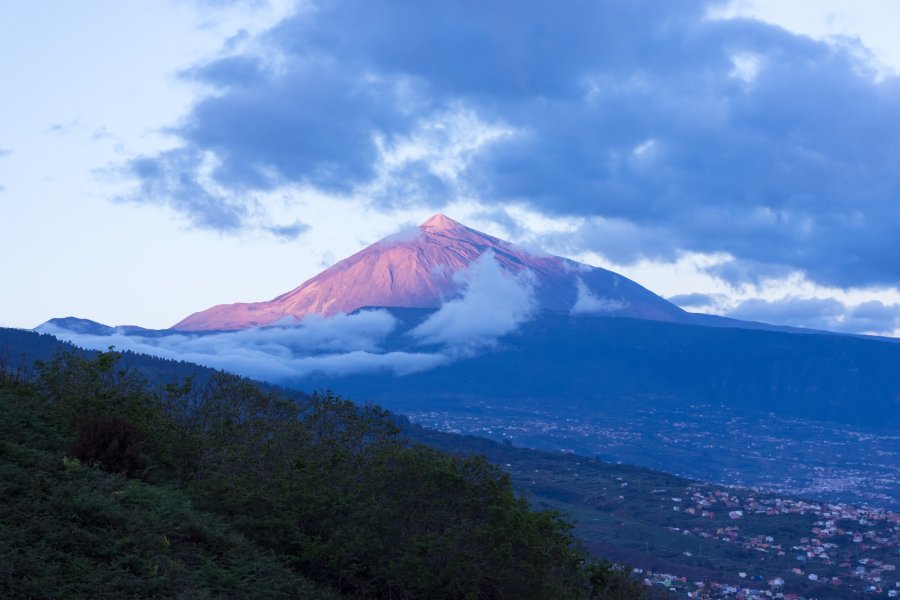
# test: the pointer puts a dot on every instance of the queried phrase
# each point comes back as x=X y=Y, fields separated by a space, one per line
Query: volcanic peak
x=440 y=222
x=417 y=270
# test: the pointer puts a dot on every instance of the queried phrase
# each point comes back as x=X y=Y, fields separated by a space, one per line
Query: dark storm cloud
x=679 y=131
x=312 y=123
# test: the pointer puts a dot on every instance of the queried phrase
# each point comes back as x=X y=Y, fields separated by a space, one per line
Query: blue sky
x=157 y=158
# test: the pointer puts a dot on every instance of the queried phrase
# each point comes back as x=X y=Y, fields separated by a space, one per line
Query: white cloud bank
x=340 y=345
x=493 y=303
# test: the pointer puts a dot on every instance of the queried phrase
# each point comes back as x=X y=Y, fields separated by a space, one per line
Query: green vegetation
x=68 y=530
x=114 y=488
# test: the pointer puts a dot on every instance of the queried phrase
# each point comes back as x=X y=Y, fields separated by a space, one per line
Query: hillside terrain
x=676 y=532
x=71 y=531
x=119 y=487
x=816 y=414
x=693 y=537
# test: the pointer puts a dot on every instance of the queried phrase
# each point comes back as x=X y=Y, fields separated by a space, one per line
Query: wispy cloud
x=288 y=232
x=588 y=303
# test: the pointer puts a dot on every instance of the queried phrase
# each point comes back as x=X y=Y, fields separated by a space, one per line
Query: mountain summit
x=418 y=268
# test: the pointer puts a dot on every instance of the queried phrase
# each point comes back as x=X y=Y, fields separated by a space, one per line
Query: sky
x=160 y=157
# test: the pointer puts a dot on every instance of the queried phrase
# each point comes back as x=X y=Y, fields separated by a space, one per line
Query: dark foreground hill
x=71 y=531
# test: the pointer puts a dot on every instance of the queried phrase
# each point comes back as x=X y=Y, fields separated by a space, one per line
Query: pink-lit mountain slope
x=416 y=269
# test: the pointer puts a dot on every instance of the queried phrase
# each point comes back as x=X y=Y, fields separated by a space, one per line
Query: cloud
x=667 y=129
x=871 y=317
x=695 y=300
x=288 y=232
x=65 y=127
x=493 y=303
x=224 y=72
x=176 y=178
x=619 y=240
x=339 y=345
x=409 y=233
x=588 y=303
x=737 y=272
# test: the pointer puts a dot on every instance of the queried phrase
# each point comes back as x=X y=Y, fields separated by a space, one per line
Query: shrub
x=112 y=443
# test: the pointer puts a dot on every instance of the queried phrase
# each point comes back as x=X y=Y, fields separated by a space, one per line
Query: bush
x=110 y=442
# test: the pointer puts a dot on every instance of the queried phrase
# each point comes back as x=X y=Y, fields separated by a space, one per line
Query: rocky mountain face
x=425 y=267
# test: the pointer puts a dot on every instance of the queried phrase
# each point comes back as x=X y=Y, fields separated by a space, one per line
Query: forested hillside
x=116 y=487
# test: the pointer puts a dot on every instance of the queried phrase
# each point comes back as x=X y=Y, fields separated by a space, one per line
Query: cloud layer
x=493 y=303
x=871 y=317
x=665 y=128
x=340 y=345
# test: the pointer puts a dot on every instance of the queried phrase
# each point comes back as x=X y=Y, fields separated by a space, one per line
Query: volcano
x=425 y=267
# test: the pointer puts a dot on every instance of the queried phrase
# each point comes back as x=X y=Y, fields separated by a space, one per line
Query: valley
x=703 y=540
x=832 y=463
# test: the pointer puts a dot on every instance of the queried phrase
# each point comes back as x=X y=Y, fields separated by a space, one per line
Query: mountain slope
x=579 y=361
x=419 y=269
